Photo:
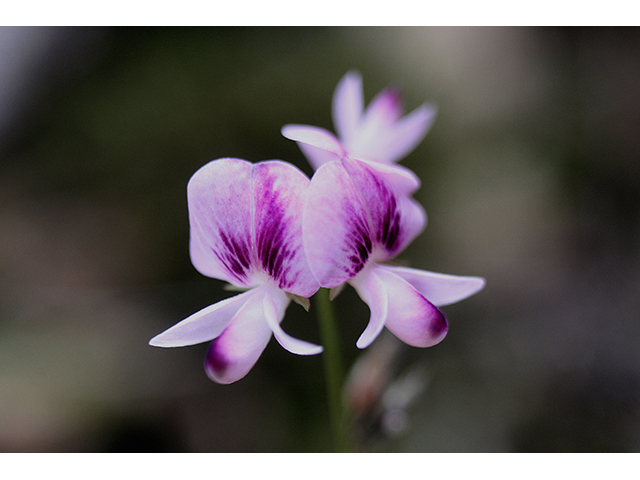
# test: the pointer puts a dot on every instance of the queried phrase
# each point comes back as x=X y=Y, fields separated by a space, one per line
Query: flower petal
x=372 y=292
x=401 y=179
x=279 y=194
x=439 y=288
x=202 y=326
x=317 y=144
x=335 y=227
x=376 y=125
x=348 y=106
x=237 y=349
x=220 y=205
x=394 y=219
x=407 y=133
x=275 y=303
x=411 y=317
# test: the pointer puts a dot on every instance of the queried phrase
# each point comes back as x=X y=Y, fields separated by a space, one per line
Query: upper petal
x=233 y=353
x=375 y=127
x=202 y=326
x=220 y=217
x=394 y=218
x=411 y=317
x=348 y=106
x=407 y=133
x=279 y=194
x=317 y=144
x=335 y=227
x=439 y=288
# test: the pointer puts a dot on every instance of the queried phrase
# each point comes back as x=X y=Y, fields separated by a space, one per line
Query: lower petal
x=410 y=316
x=275 y=303
x=237 y=349
x=439 y=288
x=202 y=326
x=372 y=292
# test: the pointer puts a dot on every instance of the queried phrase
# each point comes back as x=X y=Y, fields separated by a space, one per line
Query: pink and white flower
x=358 y=215
x=246 y=229
x=379 y=132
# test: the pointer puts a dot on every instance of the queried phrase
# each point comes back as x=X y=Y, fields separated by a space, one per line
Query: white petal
x=202 y=326
x=275 y=303
x=439 y=288
x=372 y=292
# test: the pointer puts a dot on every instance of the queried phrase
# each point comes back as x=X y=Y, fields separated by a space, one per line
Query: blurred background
x=530 y=177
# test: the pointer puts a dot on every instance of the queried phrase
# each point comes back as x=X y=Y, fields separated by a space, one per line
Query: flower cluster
x=267 y=228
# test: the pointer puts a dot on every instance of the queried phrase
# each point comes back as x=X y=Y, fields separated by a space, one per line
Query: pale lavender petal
x=386 y=107
x=317 y=144
x=394 y=219
x=407 y=133
x=220 y=203
x=376 y=126
x=335 y=227
x=275 y=303
x=411 y=317
x=372 y=292
x=348 y=106
x=202 y=326
x=279 y=194
x=237 y=349
x=439 y=288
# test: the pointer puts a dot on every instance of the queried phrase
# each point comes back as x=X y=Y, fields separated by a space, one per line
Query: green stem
x=332 y=368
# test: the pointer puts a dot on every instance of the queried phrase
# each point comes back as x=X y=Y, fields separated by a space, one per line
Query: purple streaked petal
x=275 y=303
x=279 y=194
x=335 y=227
x=439 y=288
x=220 y=203
x=411 y=317
x=372 y=292
x=348 y=106
x=202 y=326
x=317 y=144
x=237 y=349
x=394 y=219
x=407 y=133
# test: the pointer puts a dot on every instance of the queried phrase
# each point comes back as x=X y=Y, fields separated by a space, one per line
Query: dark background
x=530 y=177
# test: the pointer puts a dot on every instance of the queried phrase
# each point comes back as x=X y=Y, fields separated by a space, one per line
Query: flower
x=358 y=215
x=246 y=228
x=378 y=133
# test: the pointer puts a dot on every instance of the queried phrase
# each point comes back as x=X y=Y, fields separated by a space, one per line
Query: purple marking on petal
x=385 y=215
x=389 y=228
x=271 y=238
x=439 y=326
x=358 y=240
x=279 y=193
x=215 y=360
x=237 y=256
